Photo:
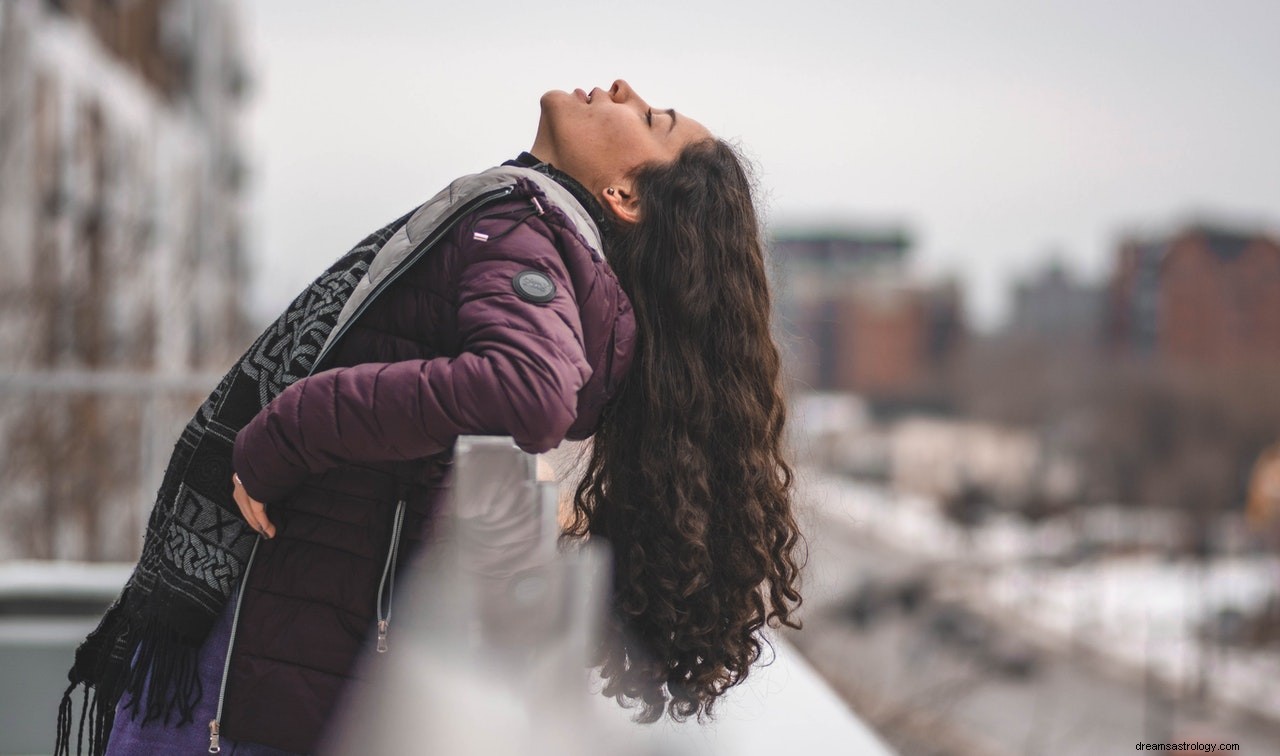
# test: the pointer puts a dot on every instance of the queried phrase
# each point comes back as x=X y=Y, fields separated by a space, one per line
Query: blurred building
x=855 y=320
x=1204 y=295
x=1052 y=307
x=121 y=235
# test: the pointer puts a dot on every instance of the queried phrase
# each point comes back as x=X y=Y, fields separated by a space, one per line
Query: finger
x=242 y=502
x=251 y=516
x=261 y=512
x=246 y=510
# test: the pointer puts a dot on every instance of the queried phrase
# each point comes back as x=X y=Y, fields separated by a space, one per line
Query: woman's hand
x=255 y=513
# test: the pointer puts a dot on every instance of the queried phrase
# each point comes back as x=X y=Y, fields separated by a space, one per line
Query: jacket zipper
x=383 y=623
x=215 y=723
x=388 y=581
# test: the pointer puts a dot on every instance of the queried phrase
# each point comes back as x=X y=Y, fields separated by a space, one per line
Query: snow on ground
x=1143 y=610
x=1136 y=612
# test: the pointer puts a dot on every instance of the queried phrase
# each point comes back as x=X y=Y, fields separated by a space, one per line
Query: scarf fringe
x=163 y=657
x=169 y=660
x=62 y=741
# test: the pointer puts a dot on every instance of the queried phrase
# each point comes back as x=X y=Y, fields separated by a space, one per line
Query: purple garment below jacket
x=130 y=738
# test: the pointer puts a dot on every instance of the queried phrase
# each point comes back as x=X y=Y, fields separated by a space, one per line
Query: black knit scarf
x=196 y=542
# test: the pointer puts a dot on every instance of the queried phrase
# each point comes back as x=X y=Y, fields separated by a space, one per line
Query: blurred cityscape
x=1059 y=536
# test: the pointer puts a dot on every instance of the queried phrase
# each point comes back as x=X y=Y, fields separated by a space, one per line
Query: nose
x=621 y=91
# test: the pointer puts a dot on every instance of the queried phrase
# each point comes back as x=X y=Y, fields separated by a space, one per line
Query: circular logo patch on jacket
x=534 y=286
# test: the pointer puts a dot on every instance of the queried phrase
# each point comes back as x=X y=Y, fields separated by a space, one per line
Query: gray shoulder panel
x=436 y=210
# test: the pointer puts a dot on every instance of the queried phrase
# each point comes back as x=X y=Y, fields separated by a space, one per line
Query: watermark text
x=1184 y=746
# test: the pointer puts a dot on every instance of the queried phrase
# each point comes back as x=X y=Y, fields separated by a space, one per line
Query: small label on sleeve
x=534 y=286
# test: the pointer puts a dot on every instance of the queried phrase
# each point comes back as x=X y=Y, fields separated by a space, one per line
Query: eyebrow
x=672 y=112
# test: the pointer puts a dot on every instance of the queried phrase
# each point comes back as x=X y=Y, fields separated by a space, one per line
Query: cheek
x=576 y=129
x=606 y=143
x=630 y=138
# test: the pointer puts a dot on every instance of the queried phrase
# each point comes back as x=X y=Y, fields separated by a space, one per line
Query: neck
x=542 y=149
x=545 y=152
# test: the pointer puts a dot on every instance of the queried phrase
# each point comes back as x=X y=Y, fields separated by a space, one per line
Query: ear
x=622 y=202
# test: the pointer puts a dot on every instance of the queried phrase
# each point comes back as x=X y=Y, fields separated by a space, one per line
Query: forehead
x=676 y=129
x=687 y=133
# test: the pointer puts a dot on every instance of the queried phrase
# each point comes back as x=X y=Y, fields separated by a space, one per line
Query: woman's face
x=598 y=137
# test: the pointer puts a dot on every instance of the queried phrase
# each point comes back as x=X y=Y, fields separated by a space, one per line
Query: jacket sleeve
x=518 y=373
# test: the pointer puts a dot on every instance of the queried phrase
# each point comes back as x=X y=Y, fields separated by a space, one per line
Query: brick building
x=1204 y=295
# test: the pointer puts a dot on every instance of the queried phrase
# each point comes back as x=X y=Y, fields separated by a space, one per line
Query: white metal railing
x=496 y=624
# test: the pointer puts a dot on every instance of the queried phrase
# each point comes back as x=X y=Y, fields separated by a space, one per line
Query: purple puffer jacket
x=467 y=340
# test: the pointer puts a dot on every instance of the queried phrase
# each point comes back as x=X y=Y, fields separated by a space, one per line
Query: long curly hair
x=687 y=477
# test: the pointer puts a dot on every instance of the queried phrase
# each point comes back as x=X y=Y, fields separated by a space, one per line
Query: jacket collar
x=573 y=186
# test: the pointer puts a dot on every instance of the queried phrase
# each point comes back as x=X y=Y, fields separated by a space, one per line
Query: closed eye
x=648 y=116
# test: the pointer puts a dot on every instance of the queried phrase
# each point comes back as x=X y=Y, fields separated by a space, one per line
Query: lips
x=586 y=96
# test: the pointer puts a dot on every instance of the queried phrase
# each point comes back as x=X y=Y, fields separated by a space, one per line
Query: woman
x=608 y=283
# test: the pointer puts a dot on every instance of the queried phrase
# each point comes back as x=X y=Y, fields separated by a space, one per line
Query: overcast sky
x=999 y=132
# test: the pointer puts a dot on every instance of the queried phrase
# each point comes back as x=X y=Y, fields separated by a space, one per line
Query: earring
x=609 y=190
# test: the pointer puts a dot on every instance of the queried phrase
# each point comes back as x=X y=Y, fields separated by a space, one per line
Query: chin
x=552 y=96
x=556 y=108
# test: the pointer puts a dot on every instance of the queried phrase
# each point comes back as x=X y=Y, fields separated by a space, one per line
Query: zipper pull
x=213 y=736
x=382 y=635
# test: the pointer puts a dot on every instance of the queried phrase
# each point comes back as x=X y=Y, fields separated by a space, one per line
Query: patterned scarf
x=196 y=542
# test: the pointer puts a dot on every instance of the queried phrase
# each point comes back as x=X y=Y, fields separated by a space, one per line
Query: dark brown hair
x=687 y=479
